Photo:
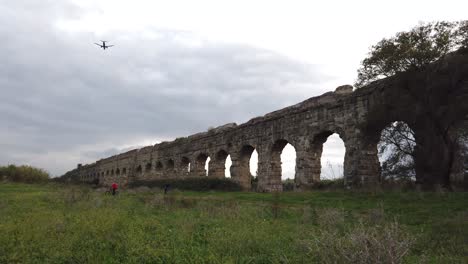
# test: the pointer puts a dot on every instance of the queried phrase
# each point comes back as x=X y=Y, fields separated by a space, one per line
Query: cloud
x=65 y=101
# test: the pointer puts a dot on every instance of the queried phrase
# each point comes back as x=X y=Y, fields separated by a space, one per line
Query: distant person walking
x=114 y=188
x=166 y=188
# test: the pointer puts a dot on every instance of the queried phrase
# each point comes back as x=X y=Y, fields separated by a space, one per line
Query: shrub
x=288 y=185
x=192 y=184
x=24 y=173
x=330 y=184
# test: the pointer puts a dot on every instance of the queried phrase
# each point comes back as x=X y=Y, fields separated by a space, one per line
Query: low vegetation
x=57 y=223
x=23 y=173
x=191 y=184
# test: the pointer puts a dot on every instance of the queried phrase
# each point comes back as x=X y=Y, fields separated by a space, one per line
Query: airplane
x=104 y=46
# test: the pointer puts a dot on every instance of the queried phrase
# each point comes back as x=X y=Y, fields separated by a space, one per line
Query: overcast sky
x=178 y=67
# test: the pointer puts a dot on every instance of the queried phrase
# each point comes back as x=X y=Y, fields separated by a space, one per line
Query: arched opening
x=112 y=172
x=329 y=152
x=170 y=164
x=159 y=166
x=107 y=172
x=283 y=164
x=117 y=172
x=221 y=168
x=185 y=165
x=396 y=152
x=288 y=167
x=248 y=166
x=253 y=164
x=124 y=171
x=203 y=161
x=332 y=159
x=227 y=167
x=207 y=166
x=139 y=169
x=288 y=162
x=148 y=167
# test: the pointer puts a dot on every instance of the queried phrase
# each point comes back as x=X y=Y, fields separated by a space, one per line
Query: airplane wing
x=110 y=46
x=98 y=45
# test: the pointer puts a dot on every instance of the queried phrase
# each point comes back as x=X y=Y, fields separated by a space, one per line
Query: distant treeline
x=23 y=173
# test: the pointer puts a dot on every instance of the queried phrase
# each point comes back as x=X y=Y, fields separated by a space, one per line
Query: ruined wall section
x=300 y=125
x=427 y=100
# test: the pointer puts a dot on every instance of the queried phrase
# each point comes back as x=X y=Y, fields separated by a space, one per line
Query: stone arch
x=221 y=155
x=148 y=167
x=218 y=164
x=241 y=170
x=200 y=163
x=117 y=172
x=124 y=171
x=321 y=137
x=139 y=169
x=316 y=151
x=329 y=165
x=185 y=166
x=288 y=162
x=170 y=165
x=159 y=166
x=272 y=180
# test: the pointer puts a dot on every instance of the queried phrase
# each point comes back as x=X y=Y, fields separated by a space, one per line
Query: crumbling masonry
x=432 y=101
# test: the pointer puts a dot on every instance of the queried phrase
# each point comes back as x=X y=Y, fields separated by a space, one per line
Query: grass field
x=53 y=223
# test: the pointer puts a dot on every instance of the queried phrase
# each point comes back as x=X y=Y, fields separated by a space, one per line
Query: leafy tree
x=461 y=34
x=413 y=49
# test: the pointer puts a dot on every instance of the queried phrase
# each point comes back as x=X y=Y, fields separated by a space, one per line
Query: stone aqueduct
x=432 y=101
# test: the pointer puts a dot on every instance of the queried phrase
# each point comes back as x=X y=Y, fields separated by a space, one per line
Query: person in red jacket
x=114 y=188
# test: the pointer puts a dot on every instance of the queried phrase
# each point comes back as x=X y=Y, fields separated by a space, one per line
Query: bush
x=24 y=173
x=332 y=184
x=192 y=184
x=288 y=185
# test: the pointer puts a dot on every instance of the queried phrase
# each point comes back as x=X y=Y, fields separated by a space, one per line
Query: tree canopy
x=410 y=50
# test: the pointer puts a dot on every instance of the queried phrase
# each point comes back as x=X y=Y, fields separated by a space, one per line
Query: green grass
x=71 y=224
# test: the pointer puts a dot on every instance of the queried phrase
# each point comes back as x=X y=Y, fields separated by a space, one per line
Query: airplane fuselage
x=104 y=46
